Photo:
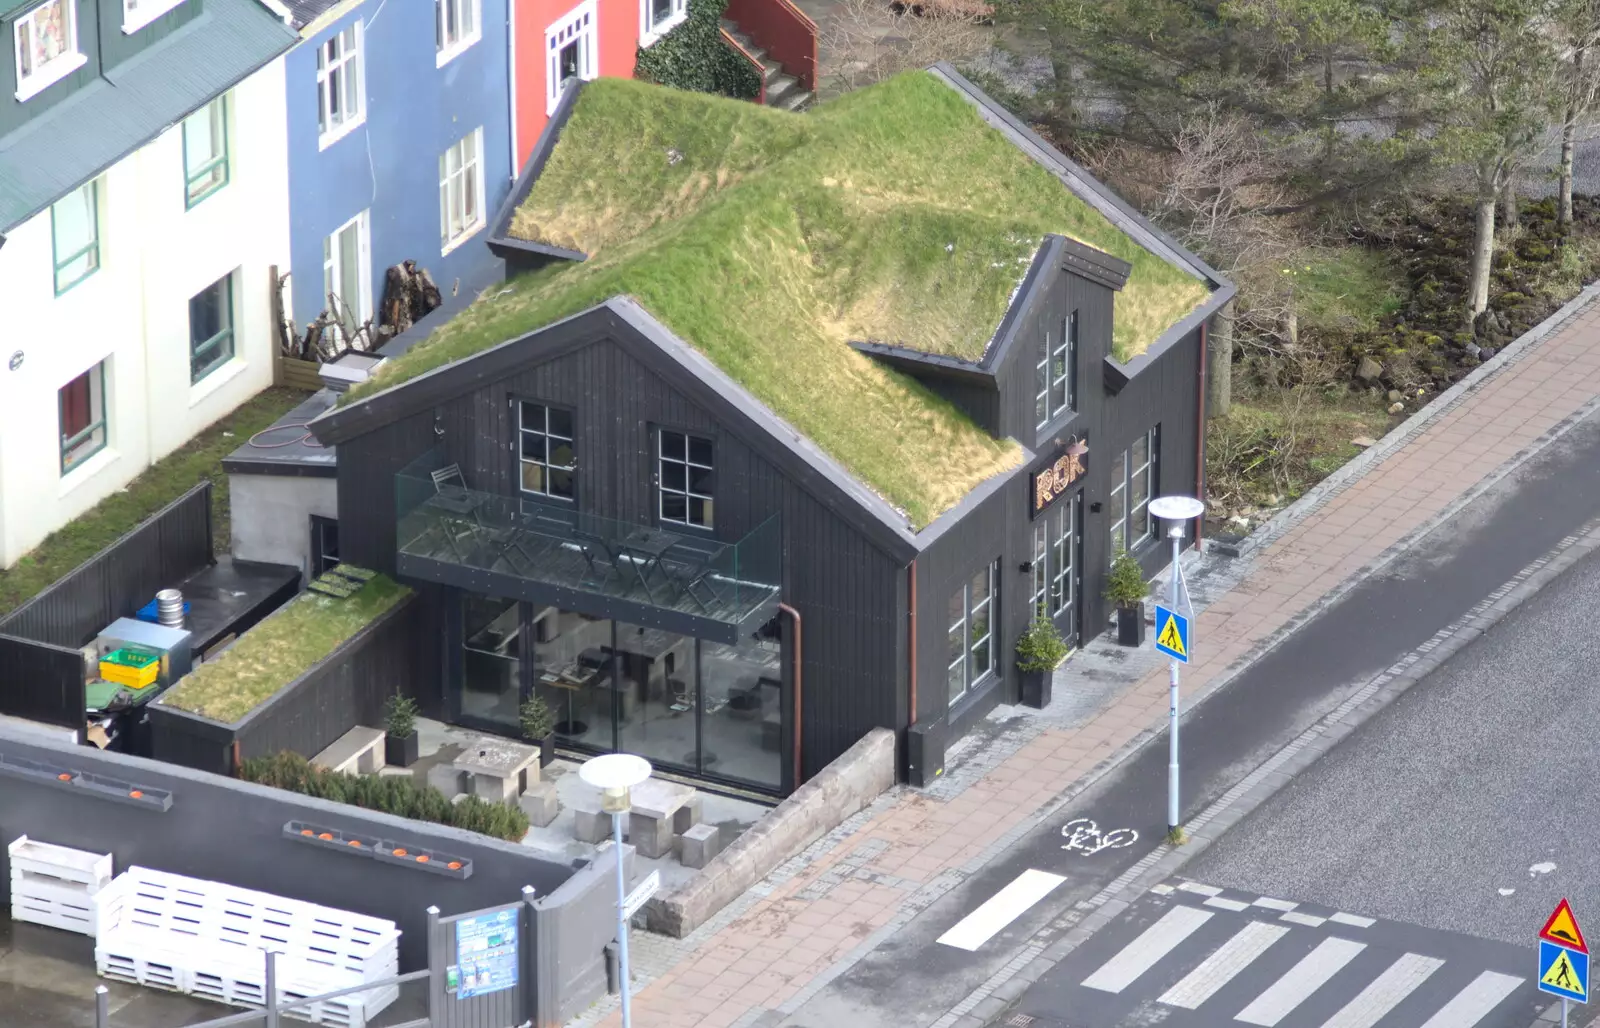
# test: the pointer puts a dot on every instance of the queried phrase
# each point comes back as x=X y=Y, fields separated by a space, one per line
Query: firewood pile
x=409 y=293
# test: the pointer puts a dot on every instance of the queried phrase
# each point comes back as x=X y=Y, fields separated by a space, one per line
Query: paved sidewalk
x=793 y=933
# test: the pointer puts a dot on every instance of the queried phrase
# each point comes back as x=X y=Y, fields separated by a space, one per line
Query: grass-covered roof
x=769 y=240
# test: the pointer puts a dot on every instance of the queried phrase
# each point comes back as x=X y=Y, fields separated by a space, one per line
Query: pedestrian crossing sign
x=1172 y=634
x=1563 y=972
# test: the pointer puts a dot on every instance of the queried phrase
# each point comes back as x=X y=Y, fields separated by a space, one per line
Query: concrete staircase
x=783 y=90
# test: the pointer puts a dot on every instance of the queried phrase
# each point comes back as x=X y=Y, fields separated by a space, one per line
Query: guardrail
x=783 y=31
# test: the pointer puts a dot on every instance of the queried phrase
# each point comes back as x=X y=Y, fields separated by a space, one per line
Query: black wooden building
x=754 y=646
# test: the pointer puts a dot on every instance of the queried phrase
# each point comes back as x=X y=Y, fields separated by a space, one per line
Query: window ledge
x=201 y=391
x=649 y=37
x=327 y=139
x=105 y=457
x=144 y=18
x=445 y=56
x=465 y=236
x=48 y=76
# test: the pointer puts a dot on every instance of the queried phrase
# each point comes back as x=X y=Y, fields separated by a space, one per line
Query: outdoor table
x=661 y=809
x=647 y=546
x=506 y=767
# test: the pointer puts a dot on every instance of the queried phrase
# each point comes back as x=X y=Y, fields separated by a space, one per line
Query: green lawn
x=769 y=240
x=1350 y=287
x=279 y=650
x=160 y=484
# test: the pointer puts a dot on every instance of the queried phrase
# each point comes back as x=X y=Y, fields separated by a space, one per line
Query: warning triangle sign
x=1562 y=975
x=1562 y=929
x=1172 y=639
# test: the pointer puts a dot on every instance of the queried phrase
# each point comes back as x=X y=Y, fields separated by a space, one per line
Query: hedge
x=399 y=795
x=695 y=57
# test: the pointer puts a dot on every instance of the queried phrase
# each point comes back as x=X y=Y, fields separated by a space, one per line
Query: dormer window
x=46 y=43
x=1057 y=385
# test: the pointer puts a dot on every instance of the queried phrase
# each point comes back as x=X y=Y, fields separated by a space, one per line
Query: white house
x=143 y=202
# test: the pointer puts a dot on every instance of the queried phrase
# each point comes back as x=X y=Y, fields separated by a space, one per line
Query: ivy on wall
x=694 y=56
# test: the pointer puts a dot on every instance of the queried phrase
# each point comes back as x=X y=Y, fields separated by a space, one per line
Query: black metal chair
x=692 y=574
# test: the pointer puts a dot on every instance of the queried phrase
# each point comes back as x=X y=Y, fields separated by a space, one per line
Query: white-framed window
x=1057 y=373
x=346 y=275
x=136 y=14
x=546 y=454
x=972 y=608
x=686 y=479
x=1053 y=553
x=205 y=151
x=81 y=412
x=461 y=190
x=45 y=41
x=341 y=88
x=1133 y=482
x=75 y=235
x=456 y=26
x=570 y=51
x=658 y=17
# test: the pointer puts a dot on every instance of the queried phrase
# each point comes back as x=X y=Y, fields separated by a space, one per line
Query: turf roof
x=768 y=240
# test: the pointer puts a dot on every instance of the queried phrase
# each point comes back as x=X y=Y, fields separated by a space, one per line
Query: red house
x=554 y=41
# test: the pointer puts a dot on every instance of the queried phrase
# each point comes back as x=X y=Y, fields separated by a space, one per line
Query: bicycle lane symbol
x=1085 y=838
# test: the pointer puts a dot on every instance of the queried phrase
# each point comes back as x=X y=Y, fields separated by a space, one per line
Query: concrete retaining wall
x=845 y=786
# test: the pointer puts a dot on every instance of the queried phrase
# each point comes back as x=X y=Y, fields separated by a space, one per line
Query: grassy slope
x=279 y=650
x=160 y=484
x=892 y=214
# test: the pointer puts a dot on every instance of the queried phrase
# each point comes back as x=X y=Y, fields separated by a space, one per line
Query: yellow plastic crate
x=132 y=677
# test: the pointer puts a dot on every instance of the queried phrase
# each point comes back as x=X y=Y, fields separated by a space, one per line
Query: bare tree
x=872 y=40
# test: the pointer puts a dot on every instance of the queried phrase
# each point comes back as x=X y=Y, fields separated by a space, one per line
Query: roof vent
x=349 y=368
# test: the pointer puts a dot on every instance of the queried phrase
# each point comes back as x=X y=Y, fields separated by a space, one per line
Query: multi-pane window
x=341 y=94
x=548 y=460
x=1053 y=553
x=455 y=24
x=971 y=641
x=205 y=151
x=658 y=17
x=461 y=190
x=344 y=276
x=1057 y=373
x=75 y=234
x=46 y=45
x=687 y=478
x=211 y=328
x=1133 y=482
x=570 y=51
x=81 y=407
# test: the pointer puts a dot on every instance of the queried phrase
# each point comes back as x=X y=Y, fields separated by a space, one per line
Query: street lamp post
x=1177 y=510
x=615 y=774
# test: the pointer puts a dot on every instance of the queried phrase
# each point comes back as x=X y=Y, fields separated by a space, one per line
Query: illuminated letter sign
x=1050 y=482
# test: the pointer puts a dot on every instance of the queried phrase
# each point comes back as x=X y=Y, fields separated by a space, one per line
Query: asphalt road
x=912 y=979
x=1470 y=805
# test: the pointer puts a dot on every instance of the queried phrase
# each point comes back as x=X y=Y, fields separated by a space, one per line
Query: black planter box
x=1036 y=688
x=547 y=750
x=400 y=751
x=1130 y=625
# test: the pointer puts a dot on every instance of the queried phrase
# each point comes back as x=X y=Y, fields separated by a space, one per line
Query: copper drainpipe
x=1200 y=440
x=911 y=607
x=798 y=650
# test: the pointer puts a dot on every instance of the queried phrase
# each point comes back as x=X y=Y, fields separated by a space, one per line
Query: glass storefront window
x=572 y=670
x=742 y=722
x=660 y=690
x=491 y=665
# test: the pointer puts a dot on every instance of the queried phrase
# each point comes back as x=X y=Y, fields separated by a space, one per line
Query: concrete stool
x=651 y=836
x=688 y=815
x=591 y=825
x=540 y=803
x=700 y=844
x=447 y=779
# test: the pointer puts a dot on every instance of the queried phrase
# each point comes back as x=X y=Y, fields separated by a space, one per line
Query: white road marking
x=1219 y=968
x=1300 y=981
x=1385 y=992
x=1161 y=890
x=1227 y=904
x=1309 y=920
x=1141 y=954
x=1276 y=904
x=1204 y=890
x=1001 y=909
x=1471 y=1004
x=1353 y=920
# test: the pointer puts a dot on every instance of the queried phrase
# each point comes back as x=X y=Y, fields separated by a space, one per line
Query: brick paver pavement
x=789 y=938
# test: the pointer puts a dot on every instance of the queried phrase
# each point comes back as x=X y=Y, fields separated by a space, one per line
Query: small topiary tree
x=1041 y=647
x=535 y=718
x=1125 y=585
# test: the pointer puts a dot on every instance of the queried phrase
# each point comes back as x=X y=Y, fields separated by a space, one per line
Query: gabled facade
x=558 y=41
x=140 y=211
x=399 y=147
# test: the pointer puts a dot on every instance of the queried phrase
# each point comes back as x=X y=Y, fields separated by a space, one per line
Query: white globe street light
x=1175 y=510
x=615 y=775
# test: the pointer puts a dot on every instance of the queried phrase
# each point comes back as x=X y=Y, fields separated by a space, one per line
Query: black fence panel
x=41 y=682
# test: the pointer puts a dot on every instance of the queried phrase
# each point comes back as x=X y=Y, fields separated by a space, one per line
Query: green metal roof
x=134 y=102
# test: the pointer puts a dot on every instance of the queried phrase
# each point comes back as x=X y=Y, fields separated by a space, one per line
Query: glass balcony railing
x=508 y=546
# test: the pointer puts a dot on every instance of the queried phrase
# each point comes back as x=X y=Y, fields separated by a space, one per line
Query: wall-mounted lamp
x=1094 y=508
x=1026 y=567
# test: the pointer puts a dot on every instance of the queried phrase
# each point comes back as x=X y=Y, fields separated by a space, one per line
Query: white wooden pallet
x=54 y=885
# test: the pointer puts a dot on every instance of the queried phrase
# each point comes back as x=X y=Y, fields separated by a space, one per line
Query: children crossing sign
x=1172 y=634
x=1564 y=957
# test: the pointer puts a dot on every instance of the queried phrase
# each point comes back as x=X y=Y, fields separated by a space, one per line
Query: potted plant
x=539 y=726
x=400 y=730
x=1126 y=588
x=1039 y=652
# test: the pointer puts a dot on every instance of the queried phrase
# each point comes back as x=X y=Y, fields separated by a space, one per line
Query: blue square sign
x=1172 y=634
x=1563 y=971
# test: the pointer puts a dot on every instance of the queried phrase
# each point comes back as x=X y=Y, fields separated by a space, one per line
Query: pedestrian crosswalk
x=1194 y=955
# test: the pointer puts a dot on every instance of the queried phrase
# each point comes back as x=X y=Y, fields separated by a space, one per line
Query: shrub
x=537 y=722
x=390 y=794
x=695 y=57
x=1125 y=586
x=399 y=716
x=1041 y=647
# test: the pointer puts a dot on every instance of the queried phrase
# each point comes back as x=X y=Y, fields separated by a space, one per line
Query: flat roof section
x=287 y=446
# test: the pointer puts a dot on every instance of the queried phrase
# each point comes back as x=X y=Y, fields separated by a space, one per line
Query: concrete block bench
x=357 y=752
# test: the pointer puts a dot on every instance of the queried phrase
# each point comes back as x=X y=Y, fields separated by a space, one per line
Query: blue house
x=399 y=121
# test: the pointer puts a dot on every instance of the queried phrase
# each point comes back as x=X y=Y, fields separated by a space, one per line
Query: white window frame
x=1130 y=516
x=333 y=277
x=962 y=666
x=349 y=64
x=581 y=24
x=688 y=492
x=450 y=179
x=69 y=60
x=545 y=432
x=448 y=49
x=649 y=33
x=136 y=14
x=1057 y=373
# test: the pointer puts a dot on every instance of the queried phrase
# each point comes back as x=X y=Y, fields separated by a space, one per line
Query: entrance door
x=1064 y=566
